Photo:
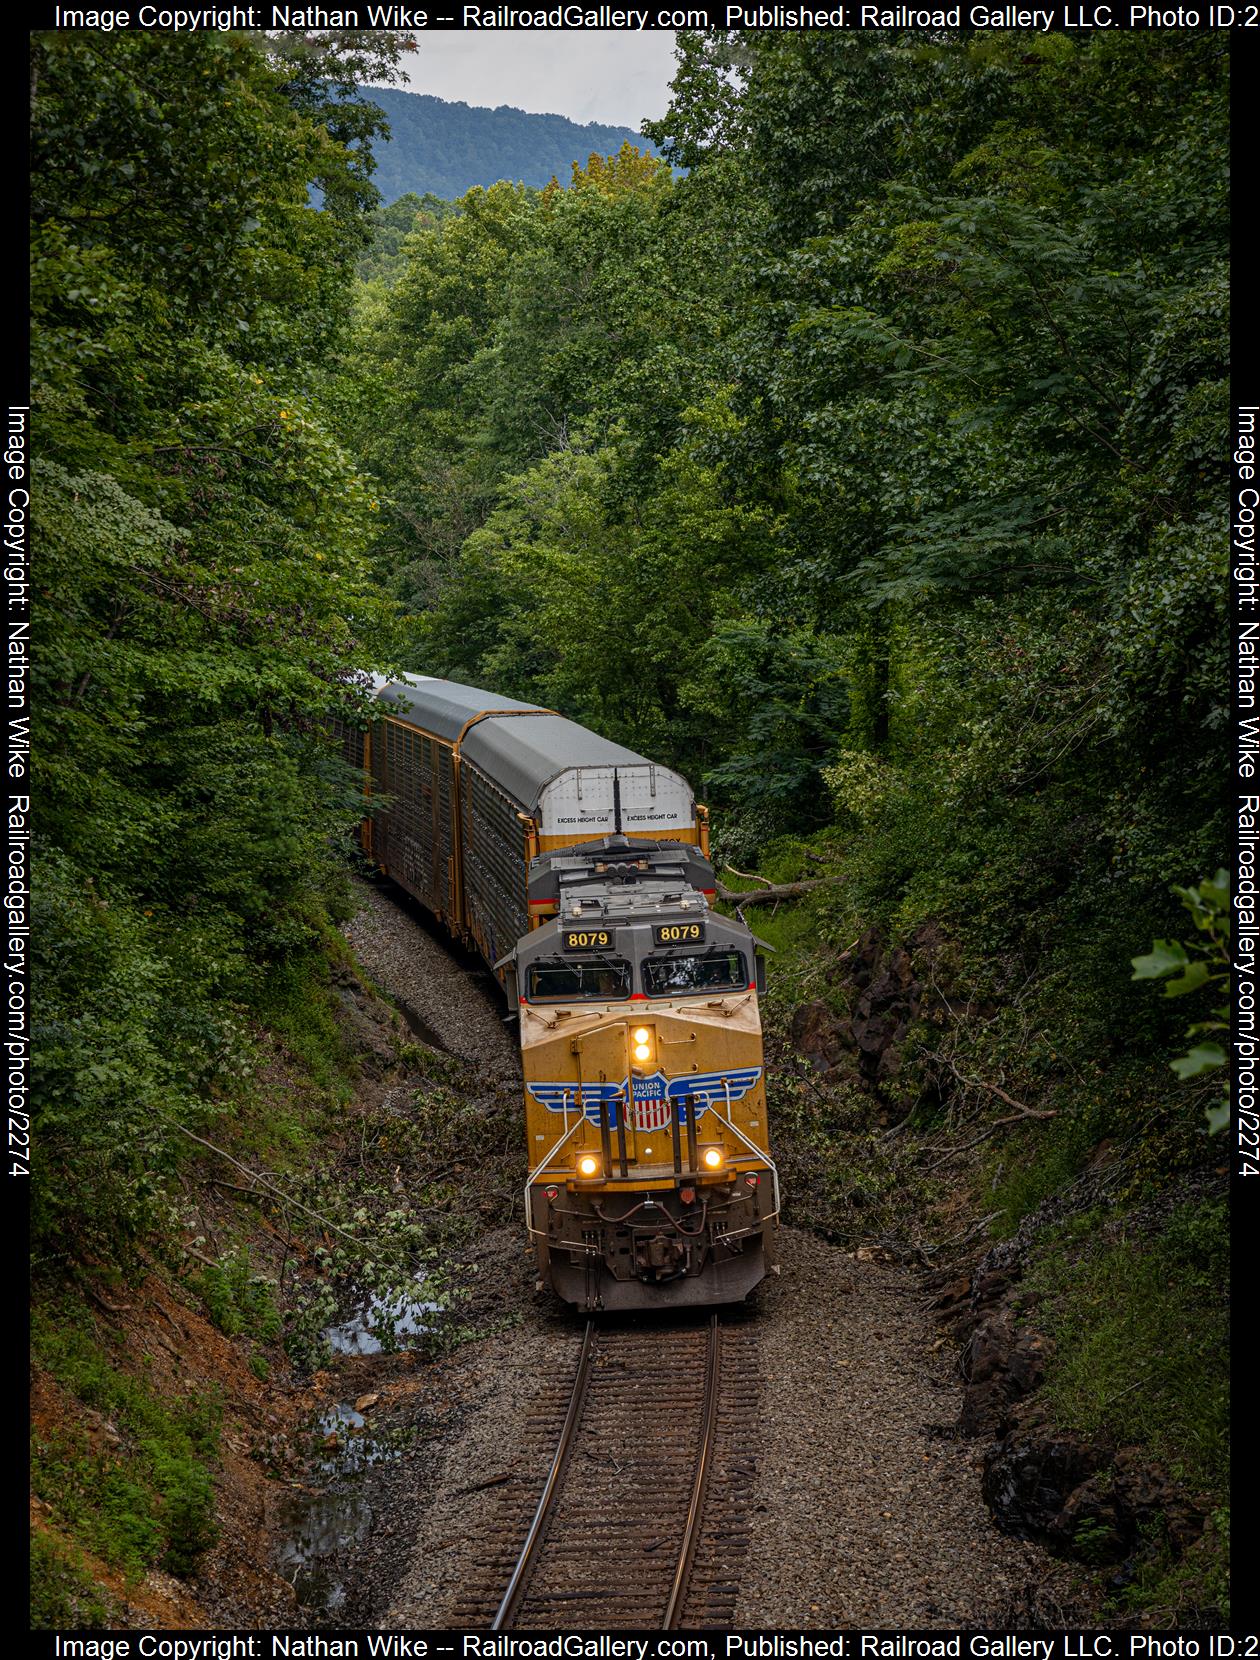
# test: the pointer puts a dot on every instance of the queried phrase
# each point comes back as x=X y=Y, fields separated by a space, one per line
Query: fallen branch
x=772 y=891
x=748 y=876
x=1000 y=1123
x=803 y=1074
x=285 y=1198
x=103 y=1302
x=1128 y=1390
x=235 y=1187
x=980 y=1083
x=170 y=1319
x=959 y=1239
x=480 y=1486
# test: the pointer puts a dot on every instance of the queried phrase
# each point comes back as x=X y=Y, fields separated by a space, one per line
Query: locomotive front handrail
x=752 y=1146
x=540 y=1168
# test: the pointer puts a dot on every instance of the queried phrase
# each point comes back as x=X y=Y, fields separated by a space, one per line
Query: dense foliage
x=203 y=591
x=385 y=257
x=871 y=477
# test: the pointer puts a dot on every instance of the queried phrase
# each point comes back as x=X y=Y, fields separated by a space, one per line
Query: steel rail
x=682 y=1573
x=524 y=1565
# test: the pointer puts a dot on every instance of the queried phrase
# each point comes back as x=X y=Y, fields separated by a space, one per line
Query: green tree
x=204 y=596
x=1184 y=970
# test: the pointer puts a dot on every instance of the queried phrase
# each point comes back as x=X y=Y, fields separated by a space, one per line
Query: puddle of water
x=317 y=1527
x=339 y=1417
x=365 y=1332
x=356 y=1447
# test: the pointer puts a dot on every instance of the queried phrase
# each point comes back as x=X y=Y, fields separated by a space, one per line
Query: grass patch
x=1030 y=1168
x=63 y=1594
x=237 y=1300
x=1193 y=1589
x=799 y=931
x=1141 y=1331
x=298 y=1005
x=140 y=1493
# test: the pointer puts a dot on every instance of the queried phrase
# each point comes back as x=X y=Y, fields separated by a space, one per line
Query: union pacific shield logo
x=654 y=1097
x=652 y=1107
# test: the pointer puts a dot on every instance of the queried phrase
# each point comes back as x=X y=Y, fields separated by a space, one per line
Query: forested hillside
x=203 y=594
x=862 y=457
x=446 y=148
x=203 y=576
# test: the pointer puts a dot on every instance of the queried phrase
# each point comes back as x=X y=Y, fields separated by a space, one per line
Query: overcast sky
x=604 y=75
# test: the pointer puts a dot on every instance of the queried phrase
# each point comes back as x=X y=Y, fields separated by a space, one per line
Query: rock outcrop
x=1085 y=1499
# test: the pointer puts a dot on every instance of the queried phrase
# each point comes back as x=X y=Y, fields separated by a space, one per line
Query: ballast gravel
x=868 y=1510
x=866 y=1507
x=405 y=953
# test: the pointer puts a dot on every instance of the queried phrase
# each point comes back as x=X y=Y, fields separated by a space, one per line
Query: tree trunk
x=772 y=892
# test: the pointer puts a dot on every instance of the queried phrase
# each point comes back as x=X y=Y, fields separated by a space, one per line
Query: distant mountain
x=444 y=149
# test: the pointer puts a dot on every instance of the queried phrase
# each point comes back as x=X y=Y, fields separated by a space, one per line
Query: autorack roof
x=522 y=753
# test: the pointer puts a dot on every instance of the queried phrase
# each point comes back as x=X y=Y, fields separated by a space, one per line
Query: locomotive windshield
x=561 y=979
x=716 y=970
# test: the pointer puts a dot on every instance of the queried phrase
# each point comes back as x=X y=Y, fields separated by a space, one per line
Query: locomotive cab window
x=683 y=976
x=558 y=979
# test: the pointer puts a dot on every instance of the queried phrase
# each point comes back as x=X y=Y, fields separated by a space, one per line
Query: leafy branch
x=1204 y=963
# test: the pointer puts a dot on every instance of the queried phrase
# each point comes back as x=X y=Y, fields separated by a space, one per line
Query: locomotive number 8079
x=580 y=872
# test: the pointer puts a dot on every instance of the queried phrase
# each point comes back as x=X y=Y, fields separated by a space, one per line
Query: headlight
x=642 y=1052
x=641 y=1034
x=588 y=1165
x=713 y=1158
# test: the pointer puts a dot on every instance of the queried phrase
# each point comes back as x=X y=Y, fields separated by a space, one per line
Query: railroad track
x=640 y=1518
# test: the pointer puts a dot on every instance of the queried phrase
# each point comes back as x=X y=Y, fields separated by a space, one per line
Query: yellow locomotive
x=580 y=872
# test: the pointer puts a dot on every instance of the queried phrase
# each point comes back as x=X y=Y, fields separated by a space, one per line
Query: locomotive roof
x=521 y=755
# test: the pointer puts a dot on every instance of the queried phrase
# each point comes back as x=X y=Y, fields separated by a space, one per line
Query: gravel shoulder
x=868 y=1510
x=405 y=953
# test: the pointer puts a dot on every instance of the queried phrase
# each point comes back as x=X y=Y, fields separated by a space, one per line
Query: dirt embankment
x=306 y=1462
